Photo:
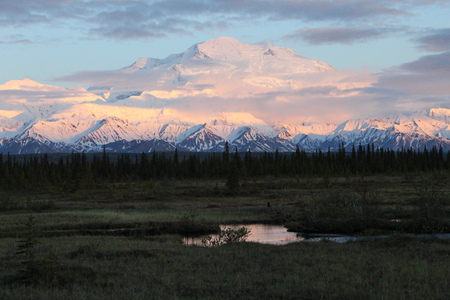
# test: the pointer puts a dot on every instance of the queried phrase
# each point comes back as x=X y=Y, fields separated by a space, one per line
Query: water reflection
x=278 y=235
x=260 y=233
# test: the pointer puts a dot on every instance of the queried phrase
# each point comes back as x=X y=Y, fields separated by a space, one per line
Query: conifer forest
x=28 y=171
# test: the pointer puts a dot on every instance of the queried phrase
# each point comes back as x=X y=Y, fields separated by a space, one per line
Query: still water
x=260 y=233
x=278 y=235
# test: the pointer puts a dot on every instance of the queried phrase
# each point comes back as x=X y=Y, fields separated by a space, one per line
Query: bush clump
x=227 y=236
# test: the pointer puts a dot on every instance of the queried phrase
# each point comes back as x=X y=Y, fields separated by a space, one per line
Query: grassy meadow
x=124 y=240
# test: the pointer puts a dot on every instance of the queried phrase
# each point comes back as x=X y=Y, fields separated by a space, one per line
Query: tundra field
x=124 y=240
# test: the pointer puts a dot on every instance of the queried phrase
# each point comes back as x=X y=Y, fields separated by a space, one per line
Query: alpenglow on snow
x=198 y=100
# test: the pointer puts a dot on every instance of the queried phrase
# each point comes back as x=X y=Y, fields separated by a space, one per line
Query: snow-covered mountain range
x=37 y=118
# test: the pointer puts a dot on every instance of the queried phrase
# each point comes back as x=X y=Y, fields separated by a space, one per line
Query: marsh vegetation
x=122 y=239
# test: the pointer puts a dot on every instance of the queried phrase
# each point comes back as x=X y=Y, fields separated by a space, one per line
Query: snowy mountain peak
x=223 y=48
x=196 y=101
x=224 y=54
x=230 y=50
x=139 y=64
x=222 y=42
x=24 y=84
x=441 y=114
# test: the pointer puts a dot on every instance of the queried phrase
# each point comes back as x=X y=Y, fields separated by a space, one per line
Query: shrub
x=227 y=236
x=35 y=270
x=367 y=202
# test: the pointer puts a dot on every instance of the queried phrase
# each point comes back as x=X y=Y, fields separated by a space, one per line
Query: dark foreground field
x=124 y=241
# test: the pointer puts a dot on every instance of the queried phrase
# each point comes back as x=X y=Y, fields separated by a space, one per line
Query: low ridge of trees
x=39 y=171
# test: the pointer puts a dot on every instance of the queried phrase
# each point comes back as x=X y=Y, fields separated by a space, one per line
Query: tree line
x=78 y=169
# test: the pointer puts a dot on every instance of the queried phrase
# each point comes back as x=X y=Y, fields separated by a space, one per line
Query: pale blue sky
x=49 y=39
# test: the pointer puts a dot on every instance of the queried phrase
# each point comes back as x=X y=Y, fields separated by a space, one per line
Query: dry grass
x=160 y=267
x=94 y=263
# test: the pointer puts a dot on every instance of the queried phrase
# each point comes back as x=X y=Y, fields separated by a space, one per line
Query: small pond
x=278 y=235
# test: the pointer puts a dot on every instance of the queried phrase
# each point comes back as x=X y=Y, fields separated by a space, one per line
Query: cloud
x=436 y=41
x=282 y=9
x=111 y=78
x=132 y=20
x=19 y=13
x=323 y=96
x=338 y=35
x=333 y=96
x=16 y=93
x=289 y=107
x=156 y=19
x=15 y=42
x=417 y=85
x=16 y=13
x=427 y=75
x=438 y=64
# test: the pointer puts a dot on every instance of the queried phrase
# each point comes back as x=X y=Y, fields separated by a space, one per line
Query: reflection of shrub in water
x=227 y=236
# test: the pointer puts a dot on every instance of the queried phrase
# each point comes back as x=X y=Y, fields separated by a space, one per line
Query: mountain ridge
x=35 y=117
x=91 y=135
